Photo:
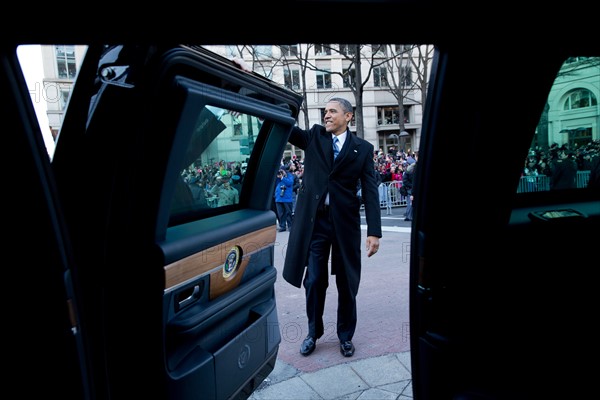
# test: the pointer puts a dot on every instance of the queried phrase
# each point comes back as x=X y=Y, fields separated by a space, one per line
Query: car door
x=170 y=242
x=501 y=300
x=43 y=343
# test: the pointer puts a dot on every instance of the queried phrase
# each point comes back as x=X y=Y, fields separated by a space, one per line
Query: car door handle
x=194 y=295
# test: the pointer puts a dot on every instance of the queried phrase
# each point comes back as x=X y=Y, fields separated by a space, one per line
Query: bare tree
x=407 y=65
x=352 y=76
x=298 y=58
x=356 y=85
x=263 y=61
x=408 y=72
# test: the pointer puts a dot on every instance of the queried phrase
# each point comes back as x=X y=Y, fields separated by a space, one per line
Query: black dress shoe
x=308 y=346
x=281 y=230
x=347 y=348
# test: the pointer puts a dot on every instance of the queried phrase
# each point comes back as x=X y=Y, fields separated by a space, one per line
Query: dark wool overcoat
x=340 y=179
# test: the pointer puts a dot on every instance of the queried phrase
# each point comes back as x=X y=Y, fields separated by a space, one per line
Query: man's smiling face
x=336 y=120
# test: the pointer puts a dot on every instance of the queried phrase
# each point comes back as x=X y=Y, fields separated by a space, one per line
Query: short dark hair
x=346 y=105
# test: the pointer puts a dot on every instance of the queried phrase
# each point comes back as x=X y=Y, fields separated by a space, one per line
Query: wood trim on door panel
x=208 y=260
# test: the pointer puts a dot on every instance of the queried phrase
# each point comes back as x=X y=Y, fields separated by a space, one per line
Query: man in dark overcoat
x=327 y=221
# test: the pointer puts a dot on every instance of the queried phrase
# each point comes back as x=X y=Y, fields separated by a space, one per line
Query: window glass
x=65 y=61
x=348 y=50
x=349 y=75
x=567 y=140
x=291 y=79
x=216 y=160
x=380 y=76
x=289 y=50
x=264 y=51
x=322 y=49
x=379 y=50
x=323 y=80
x=407 y=75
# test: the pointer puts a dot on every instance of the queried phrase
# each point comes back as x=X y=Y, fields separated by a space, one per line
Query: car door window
x=563 y=152
x=216 y=160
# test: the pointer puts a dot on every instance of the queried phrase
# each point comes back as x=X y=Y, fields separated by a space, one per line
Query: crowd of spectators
x=561 y=162
x=215 y=185
x=389 y=166
x=392 y=165
x=558 y=162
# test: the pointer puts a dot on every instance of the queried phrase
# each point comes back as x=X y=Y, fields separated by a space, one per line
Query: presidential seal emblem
x=232 y=262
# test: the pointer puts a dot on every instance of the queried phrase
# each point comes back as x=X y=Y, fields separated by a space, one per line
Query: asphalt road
x=392 y=218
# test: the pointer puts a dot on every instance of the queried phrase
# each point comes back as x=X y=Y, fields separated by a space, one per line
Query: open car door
x=161 y=187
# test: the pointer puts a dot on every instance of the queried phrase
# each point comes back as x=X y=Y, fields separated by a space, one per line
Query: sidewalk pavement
x=375 y=378
x=380 y=367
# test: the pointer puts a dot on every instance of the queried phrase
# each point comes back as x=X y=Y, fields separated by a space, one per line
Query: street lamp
x=404 y=134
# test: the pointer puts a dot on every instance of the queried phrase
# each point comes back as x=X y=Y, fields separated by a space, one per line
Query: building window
x=407 y=76
x=580 y=98
x=64 y=98
x=263 y=51
x=65 y=61
x=323 y=80
x=322 y=49
x=380 y=76
x=578 y=137
x=291 y=79
x=402 y=48
x=349 y=77
x=379 y=50
x=347 y=50
x=389 y=115
x=289 y=50
x=57 y=93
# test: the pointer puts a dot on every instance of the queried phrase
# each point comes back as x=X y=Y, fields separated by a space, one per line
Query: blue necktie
x=336 y=150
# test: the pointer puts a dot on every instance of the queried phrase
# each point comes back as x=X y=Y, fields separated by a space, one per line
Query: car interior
x=130 y=281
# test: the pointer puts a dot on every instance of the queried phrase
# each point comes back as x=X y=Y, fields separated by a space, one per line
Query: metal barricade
x=541 y=183
x=390 y=197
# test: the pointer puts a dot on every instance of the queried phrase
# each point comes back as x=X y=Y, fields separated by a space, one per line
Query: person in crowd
x=532 y=170
x=328 y=222
x=408 y=181
x=385 y=173
x=198 y=192
x=396 y=183
x=293 y=168
x=274 y=205
x=284 y=193
x=594 y=181
x=563 y=170
x=226 y=194
x=236 y=182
